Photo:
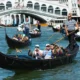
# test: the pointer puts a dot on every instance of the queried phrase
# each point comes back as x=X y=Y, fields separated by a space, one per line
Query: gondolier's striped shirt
x=70 y=24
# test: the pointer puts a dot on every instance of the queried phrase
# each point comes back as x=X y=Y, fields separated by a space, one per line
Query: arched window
x=36 y=6
x=2 y=7
x=50 y=9
x=29 y=4
x=64 y=12
x=8 y=5
x=43 y=7
x=57 y=10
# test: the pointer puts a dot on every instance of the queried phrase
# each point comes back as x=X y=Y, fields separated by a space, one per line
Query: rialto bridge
x=17 y=11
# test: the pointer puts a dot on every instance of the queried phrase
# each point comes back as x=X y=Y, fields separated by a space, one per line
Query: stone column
x=14 y=20
x=19 y=18
x=11 y=20
x=24 y=17
x=29 y=22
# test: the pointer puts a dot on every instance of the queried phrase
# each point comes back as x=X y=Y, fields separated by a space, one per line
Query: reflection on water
x=65 y=72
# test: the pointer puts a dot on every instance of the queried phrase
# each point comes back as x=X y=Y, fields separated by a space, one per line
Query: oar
x=51 y=36
x=59 y=40
x=65 y=36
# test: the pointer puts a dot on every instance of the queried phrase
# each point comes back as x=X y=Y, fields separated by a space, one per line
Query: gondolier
x=26 y=27
x=70 y=27
x=38 y=25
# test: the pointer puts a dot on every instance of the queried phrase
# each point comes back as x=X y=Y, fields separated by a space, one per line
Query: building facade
x=52 y=7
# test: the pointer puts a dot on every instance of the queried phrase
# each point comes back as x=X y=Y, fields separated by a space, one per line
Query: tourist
x=59 y=51
x=47 y=52
x=52 y=47
x=56 y=50
x=15 y=37
x=24 y=38
x=37 y=52
x=70 y=25
x=35 y=30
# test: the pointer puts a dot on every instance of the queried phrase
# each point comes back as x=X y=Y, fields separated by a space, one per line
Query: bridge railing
x=21 y=8
x=39 y=12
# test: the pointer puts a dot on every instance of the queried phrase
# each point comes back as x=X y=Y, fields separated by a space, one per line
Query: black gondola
x=77 y=37
x=33 y=35
x=17 y=44
x=29 y=63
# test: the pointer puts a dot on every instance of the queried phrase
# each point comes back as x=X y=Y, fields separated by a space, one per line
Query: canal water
x=64 y=72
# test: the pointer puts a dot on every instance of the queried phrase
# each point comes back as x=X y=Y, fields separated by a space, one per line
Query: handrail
x=31 y=10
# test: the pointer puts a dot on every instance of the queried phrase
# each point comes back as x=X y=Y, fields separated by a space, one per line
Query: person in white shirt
x=47 y=52
x=26 y=27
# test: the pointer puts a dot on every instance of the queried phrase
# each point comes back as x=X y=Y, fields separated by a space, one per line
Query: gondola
x=28 y=63
x=77 y=37
x=33 y=35
x=50 y=26
x=55 y=29
x=16 y=44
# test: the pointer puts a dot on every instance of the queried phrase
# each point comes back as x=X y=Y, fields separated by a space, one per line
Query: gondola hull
x=77 y=37
x=32 y=35
x=17 y=44
x=28 y=63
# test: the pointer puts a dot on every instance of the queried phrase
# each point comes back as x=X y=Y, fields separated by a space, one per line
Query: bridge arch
x=36 y=17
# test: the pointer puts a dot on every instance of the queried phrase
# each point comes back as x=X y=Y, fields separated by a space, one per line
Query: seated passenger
x=35 y=32
x=37 y=52
x=47 y=52
x=24 y=39
x=15 y=37
x=19 y=37
x=59 y=51
x=52 y=47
